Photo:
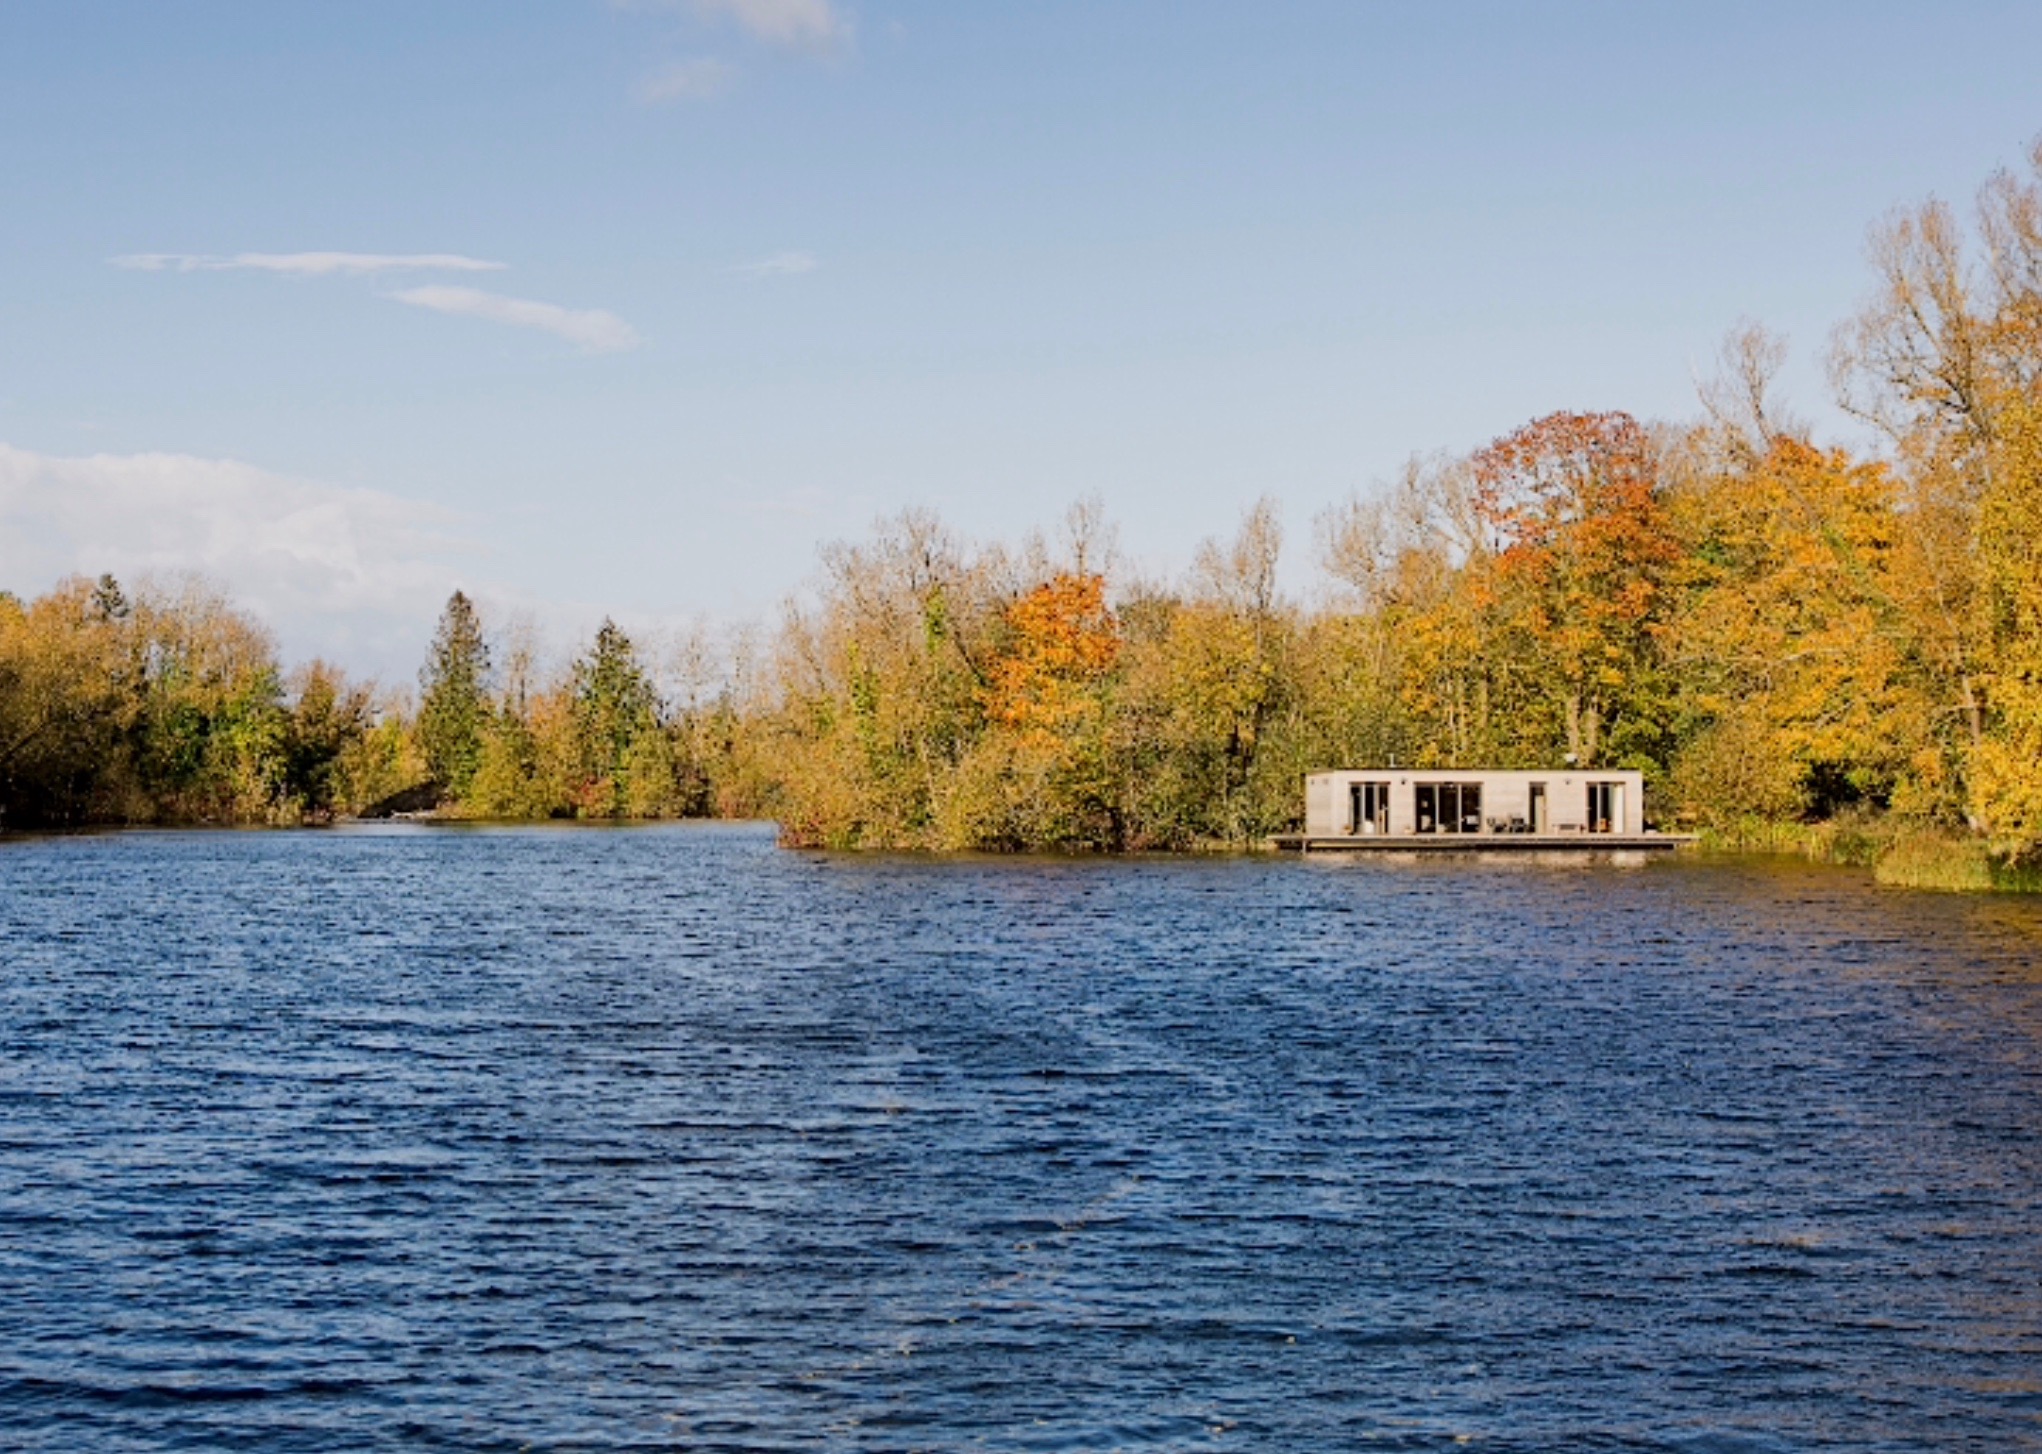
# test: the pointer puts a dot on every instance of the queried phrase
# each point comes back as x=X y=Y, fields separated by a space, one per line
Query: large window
x=1449 y=807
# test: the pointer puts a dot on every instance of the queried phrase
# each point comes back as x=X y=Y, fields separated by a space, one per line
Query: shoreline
x=1897 y=856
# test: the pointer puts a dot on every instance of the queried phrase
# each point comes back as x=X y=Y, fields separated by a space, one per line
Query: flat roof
x=1476 y=772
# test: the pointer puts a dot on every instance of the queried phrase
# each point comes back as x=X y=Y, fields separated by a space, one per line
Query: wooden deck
x=1485 y=842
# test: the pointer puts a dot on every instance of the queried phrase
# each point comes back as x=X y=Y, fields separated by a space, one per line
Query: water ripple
x=666 y=1139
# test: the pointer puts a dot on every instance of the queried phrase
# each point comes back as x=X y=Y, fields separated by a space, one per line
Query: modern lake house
x=1408 y=808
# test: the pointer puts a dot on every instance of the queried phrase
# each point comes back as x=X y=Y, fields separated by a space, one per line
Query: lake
x=441 y=1138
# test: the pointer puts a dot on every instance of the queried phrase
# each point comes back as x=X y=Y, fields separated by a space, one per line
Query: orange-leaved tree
x=1041 y=775
x=1064 y=641
x=1576 y=544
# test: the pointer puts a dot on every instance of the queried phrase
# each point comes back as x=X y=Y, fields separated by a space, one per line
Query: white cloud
x=592 y=329
x=815 y=25
x=354 y=574
x=801 y=24
x=700 y=78
x=305 y=264
x=779 y=265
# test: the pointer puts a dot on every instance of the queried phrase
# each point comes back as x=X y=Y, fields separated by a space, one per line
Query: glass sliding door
x=1449 y=807
x=1605 y=807
x=1368 y=808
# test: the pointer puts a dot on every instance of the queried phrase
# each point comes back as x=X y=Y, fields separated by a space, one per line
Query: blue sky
x=777 y=267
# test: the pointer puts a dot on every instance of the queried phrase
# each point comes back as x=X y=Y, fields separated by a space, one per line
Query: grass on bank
x=1901 y=855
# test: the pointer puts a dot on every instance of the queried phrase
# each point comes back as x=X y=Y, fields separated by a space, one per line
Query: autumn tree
x=1798 y=687
x=67 y=707
x=1949 y=341
x=1399 y=665
x=212 y=731
x=880 y=684
x=1746 y=419
x=1209 y=713
x=1040 y=775
x=1063 y=640
x=1946 y=357
x=2006 y=779
x=1574 y=550
x=382 y=763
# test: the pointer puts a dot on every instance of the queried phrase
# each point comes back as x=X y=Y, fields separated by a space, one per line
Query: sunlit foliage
x=1774 y=630
x=164 y=705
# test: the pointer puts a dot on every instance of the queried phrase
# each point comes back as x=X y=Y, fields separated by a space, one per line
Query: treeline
x=171 y=707
x=1773 y=630
x=599 y=740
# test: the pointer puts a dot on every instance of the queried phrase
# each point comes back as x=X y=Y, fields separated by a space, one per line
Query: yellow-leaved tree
x=1797 y=663
x=2006 y=770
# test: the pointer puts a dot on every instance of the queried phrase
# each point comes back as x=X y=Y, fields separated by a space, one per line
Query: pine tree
x=615 y=706
x=454 y=697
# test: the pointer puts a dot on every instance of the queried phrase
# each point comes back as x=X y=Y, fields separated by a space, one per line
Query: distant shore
x=1897 y=855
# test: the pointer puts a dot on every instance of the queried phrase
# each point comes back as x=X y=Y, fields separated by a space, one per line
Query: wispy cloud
x=779 y=265
x=799 y=24
x=351 y=573
x=305 y=264
x=591 y=329
x=812 y=25
x=700 y=78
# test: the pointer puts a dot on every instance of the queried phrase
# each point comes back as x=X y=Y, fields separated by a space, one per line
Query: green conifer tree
x=454 y=697
x=615 y=706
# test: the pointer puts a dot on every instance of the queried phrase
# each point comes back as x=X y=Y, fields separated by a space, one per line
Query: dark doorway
x=1605 y=807
x=1449 y=807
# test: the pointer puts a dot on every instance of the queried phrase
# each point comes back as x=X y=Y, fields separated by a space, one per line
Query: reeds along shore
x=1792 y=643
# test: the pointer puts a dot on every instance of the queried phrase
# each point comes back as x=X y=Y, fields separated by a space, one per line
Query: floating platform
x=1484 y=842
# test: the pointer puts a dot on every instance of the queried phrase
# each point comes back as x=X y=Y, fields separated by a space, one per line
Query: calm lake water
x=560 y=1139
